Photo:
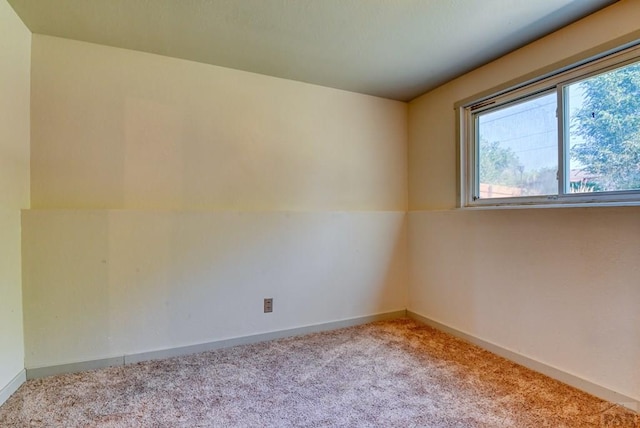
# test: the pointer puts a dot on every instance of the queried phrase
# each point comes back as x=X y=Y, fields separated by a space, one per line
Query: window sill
x=551 y=206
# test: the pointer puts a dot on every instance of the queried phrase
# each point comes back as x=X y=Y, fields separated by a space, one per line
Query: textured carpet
x=388 y=374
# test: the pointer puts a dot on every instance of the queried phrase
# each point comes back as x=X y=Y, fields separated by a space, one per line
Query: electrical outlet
x=268 y=305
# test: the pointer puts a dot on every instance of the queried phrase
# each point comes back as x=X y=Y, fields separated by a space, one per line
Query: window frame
x=556 y=81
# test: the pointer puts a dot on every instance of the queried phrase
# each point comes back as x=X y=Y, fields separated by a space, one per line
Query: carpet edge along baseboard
x=44 y=371
x=554 y=373
x=562 y=376
x=13 y=385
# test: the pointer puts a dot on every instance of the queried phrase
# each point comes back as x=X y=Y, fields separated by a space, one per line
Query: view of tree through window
x=604 y=136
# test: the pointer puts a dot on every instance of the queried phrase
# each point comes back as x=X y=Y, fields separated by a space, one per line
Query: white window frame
x=550 y=82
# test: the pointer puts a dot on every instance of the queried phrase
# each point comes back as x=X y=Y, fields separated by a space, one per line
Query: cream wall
x=556 y=285
x=14 y=185
x=171 y=197
x=114 y=128
x=107 y=283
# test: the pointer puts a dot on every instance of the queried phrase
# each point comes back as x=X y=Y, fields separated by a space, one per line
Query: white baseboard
x=38 y=372
x=81 y=366
x=564 y=377
x=263 y=337
x=12 y=386
x=569 y=379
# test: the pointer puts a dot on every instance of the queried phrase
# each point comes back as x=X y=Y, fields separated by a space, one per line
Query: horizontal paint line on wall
x=218 y=210
x=38 y=372
x=560 y=375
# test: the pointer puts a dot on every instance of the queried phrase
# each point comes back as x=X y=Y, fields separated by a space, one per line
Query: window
x=570 y=137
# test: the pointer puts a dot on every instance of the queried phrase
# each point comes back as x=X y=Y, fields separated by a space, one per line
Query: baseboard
x=562 y=376
x=81 y=366
x=262 y=337
x=12 y=386
x=37 y=372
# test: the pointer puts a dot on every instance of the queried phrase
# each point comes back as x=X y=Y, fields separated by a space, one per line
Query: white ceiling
x=396 y=49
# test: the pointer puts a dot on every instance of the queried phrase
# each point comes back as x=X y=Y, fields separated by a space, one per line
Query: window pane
x=518 y=149
x=604 y=132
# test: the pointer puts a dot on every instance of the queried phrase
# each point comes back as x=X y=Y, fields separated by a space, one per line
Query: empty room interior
x=167 y=166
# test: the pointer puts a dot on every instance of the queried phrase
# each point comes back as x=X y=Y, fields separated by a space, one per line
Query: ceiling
x=395 y=49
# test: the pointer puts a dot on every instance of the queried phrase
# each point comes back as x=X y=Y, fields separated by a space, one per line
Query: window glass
x=518 y=149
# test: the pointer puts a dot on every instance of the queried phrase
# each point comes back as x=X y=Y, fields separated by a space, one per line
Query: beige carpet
x=388 y=374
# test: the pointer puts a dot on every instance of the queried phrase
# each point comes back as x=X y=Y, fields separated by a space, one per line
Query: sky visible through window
x=528 y=129
x=531 y=140
x=521 y=142
x=518 y=148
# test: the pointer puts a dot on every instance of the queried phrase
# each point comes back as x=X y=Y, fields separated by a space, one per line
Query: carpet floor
x=388 y=374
